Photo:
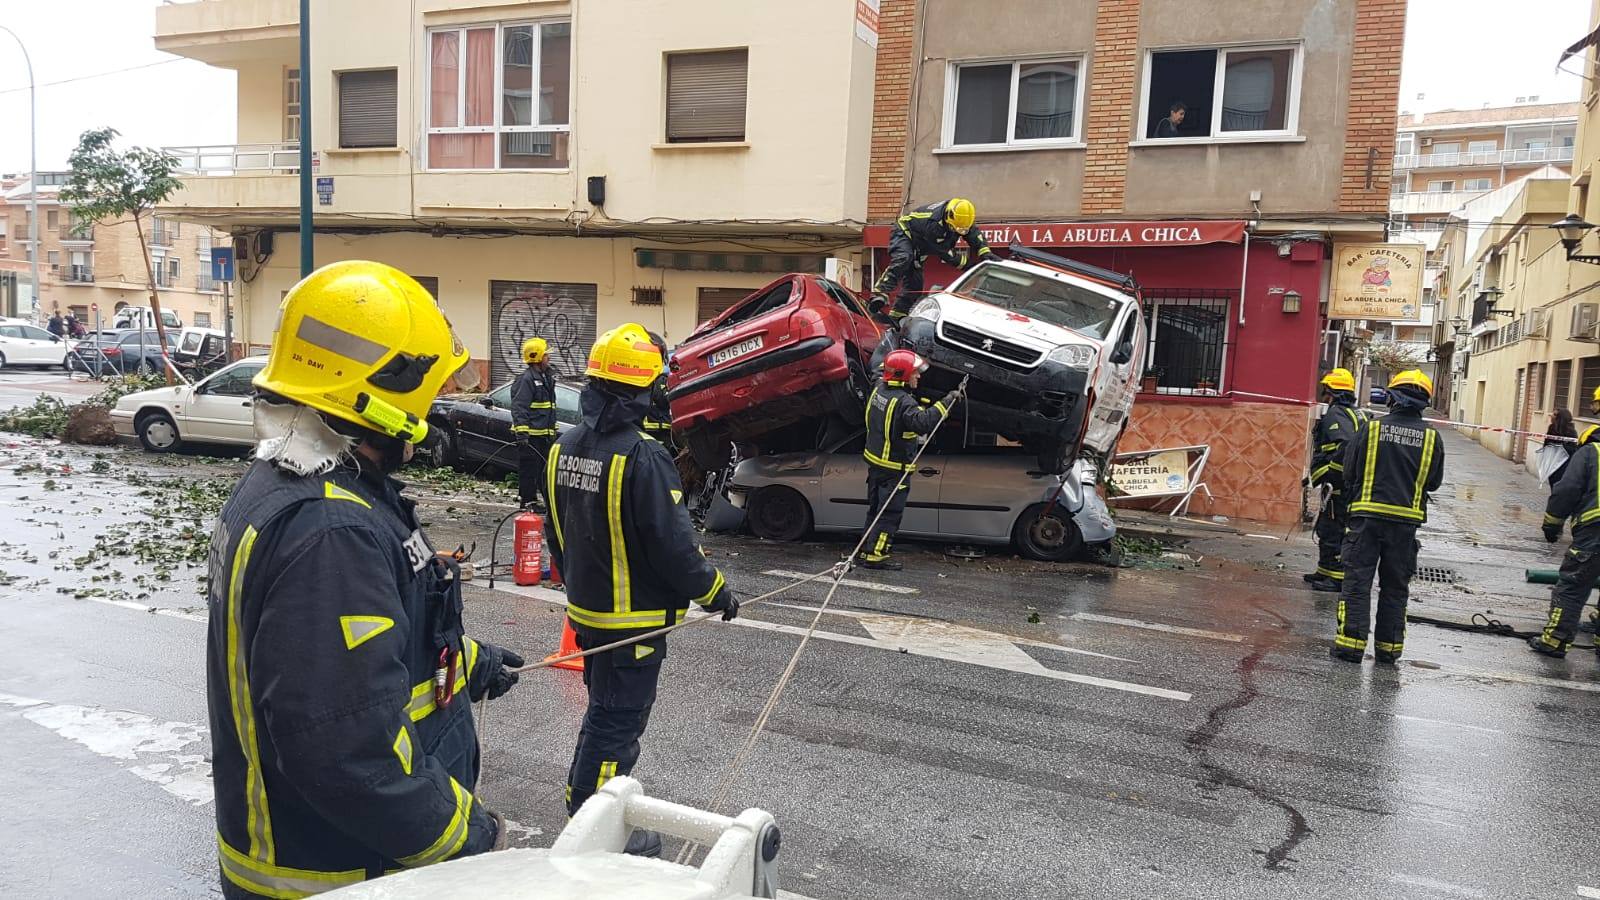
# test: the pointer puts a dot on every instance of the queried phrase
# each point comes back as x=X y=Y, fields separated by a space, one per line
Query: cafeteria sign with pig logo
x=1376 y=281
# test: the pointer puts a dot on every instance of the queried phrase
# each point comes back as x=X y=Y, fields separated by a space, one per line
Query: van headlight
x=1076 y=356
x=926 y=308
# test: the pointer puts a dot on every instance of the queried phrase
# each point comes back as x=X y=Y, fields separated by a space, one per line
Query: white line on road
x=1591 y=893
x=1537 y=680
x=890 y=620
x=154 y=610
x=847 y=582
x=1157 y=626
x=1435 y=885
x=1451 y=724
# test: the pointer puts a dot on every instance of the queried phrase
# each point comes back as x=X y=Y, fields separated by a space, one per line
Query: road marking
x=126 y=737
x=1433 y=884
x=1451 y=724
x=931 y=638
x=1537 y=680
x=889 y=621
x=847 y=582
x=154 y=610
x=1157 y=626
x=1592 y=893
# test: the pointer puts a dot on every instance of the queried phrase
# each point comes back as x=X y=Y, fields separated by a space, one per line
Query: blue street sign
x=221 y=264
x=325 y=190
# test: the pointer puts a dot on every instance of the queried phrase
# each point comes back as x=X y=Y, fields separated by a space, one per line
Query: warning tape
x=1489 y=428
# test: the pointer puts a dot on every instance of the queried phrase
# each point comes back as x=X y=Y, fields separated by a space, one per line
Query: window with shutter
x=706 y=95
x=367 y=103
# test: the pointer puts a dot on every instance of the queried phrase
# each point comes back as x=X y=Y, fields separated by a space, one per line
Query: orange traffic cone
x=569 y=646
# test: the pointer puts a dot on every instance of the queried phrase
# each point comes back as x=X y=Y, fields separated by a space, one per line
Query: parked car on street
x=981 y=495
x=29 y=345
x=794 y=349
x=474 y=430
x=1378 y=396
x=1054 y=349
x=215 y=410
x=121 y=352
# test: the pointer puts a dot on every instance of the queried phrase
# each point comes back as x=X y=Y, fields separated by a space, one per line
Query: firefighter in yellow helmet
x=338 y=676
x=1390 y=468
x=620 y=534
x=932 y=230
x=533 y=419
x=1594 y=403
x=1577 y=497
x=1334 y=429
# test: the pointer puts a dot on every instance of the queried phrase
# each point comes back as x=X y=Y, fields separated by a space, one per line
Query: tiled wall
x=1259 y=452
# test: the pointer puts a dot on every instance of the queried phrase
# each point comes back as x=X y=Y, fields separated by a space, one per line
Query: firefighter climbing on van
x=338 y=678
x=1575 y=497
x=897 y=424
x=1335 y=429
x=620 y=534
x=533 y=419
x=932 y=230
x=1390 y=468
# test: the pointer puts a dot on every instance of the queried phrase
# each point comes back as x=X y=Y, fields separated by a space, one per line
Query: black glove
x=877 y=303
x=951 y=399
x=500 y=661
x=1552 y=533
x=724 y=602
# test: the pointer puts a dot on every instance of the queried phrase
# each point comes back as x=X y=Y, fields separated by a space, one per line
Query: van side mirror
x=1123 y=354
x=486 y=403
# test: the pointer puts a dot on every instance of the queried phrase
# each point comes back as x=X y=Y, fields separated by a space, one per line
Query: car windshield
x=1042 y=297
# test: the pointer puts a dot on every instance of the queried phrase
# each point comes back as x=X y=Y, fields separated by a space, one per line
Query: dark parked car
x=120 y=352
x=1378 y=396
x=475 y=429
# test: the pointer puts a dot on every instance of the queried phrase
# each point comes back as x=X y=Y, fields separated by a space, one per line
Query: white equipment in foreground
x=587 y=862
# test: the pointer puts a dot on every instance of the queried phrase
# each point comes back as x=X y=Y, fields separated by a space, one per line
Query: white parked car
x=29 y=345
x=214 y=410
x=1054 y=349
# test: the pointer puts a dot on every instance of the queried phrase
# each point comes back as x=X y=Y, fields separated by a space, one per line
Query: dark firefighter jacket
x=923 y=232
x=896 y=420
x=1392 y=465
x=533 y=403
x=1337 y=426
x=618 y=529
x=332 y=760
x=658 y=418
x=1577 y=495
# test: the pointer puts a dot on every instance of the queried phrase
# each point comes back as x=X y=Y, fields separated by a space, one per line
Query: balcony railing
x=237 y=159
x=1429 y=202
x=1482 y=158
x=78 y=233
x=78 y=275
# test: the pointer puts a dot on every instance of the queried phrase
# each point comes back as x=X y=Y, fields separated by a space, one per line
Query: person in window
x=1168 y=127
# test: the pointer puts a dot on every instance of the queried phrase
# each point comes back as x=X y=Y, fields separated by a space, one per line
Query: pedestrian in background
x=1390 y=468
x=1577 y=497
x=55 y=325
x=1560 y=442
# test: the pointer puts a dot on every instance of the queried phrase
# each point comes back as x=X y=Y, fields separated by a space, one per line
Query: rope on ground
x=1483 y=623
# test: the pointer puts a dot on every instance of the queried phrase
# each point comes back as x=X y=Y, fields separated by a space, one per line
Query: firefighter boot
x=1346 y=654
x=1324 y=584
x=1537 y=645
x=886 y=563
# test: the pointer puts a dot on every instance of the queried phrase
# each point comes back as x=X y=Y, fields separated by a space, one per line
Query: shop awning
x=1097 y=234
x=1587 y=41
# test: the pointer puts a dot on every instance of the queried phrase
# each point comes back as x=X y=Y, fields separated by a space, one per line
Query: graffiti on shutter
x=562 y=314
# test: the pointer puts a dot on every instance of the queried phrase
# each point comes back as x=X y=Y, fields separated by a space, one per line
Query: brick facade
x=1111 y=104
x=1371 y=112
x=891 y=105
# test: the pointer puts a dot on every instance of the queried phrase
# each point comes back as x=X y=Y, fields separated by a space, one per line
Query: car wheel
x=779 y=513
x=850 y=395
x=711 y=451
x=157 y=432
x=2 y=360
x=444 y=453
x=1049 y=536
x=1053 y=455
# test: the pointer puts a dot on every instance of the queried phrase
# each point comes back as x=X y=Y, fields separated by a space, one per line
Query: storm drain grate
x=1436 y=574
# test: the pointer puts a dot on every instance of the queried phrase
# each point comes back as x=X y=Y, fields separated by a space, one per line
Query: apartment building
x=1443 y=159
x=84 y=268
x=1520 y=320
x=550 y=168
x=1054 y=118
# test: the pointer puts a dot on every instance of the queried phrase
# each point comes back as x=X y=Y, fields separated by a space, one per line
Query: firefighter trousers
x=531 y=456
x=905 y=268
x=1330 y=538
x=1387 y=549
x=882 y=494
x=622 y=689
x=1580 y=566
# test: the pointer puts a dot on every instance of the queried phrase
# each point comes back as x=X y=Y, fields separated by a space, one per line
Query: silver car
x=984 y=495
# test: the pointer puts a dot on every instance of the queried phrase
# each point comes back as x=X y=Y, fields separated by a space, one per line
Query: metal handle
x=928 y=472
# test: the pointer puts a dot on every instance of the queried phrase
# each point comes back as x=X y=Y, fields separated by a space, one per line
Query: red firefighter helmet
x=900 y=365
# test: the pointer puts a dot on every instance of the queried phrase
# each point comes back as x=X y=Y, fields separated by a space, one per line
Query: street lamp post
x=33 y=170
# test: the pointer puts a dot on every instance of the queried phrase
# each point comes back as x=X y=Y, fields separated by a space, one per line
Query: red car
x=795 y=349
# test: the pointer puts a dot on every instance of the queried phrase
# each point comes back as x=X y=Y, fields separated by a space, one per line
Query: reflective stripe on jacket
x=1391 y=467
x=1339 y=423
x=332 y=762
x=896 y=422
x=924 y=228
x=1577 y=495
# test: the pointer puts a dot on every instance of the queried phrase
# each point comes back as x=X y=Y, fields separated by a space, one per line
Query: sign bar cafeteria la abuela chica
x=1095 y=234
x=1376 y=281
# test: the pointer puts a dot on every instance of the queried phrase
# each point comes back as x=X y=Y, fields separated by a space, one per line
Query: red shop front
x=1215 y=302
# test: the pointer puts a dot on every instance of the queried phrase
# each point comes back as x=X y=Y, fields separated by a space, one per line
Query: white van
x=131 y=316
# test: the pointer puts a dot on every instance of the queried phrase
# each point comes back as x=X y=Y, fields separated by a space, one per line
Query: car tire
x=1053 y=455
x=445 y=453
x=849 y=396
x=2 y=360
x=779 y=513
x=157 y=432
x=711 y=451
x=1047 y=537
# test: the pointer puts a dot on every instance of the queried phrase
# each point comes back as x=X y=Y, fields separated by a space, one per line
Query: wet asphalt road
x=1162 y=732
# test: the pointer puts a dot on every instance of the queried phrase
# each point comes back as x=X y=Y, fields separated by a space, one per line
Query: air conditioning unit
x=1427 y=142
x=1538 y=324
x=1585 y=319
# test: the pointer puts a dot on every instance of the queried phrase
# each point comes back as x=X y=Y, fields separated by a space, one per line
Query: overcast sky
x=1459 y=54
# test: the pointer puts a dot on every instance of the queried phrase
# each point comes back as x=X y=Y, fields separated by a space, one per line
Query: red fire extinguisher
x=527 y=547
